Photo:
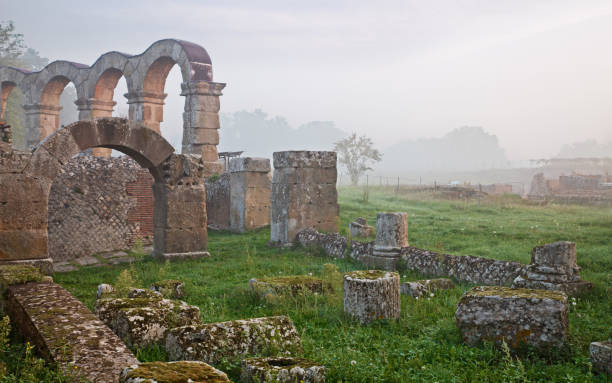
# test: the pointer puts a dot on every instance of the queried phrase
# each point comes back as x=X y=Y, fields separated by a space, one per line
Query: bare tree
x=356 y=154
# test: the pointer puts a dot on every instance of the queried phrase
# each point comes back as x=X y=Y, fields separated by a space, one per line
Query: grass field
x=424 y=345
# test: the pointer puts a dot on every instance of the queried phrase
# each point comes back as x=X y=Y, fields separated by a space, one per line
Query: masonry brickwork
x=97 y=205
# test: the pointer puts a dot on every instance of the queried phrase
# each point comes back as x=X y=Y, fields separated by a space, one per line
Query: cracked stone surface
x=66 y=332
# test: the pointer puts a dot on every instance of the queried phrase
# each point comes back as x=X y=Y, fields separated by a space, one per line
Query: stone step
x=66 y=332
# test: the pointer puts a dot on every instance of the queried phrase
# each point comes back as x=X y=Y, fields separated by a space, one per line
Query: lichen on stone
x=169 y=288
x=18 y=274
x=294 y=285
x=508 y=292
x=173 y=372
x=282 y=369
x=370 y=274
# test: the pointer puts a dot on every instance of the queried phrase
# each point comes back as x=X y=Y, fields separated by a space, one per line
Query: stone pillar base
x=179 y=256
x=44 y=264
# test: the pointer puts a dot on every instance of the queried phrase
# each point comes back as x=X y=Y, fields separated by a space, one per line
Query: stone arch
x=145 y=75
x=9 y=79
x=180 y=196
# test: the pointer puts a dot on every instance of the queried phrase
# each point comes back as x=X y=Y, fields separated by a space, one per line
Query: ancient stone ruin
x=249 y=193
x=515 y=316
x=601 y=356
x=372 y=295
x=423 y=287
x=164 y=372
x=281 y=370
x=391 y=237
x=360 y=228
x=553 y=267
x=303 y=194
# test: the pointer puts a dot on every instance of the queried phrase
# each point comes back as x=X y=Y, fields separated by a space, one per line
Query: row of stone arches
x=145 y=76
x=26 y=179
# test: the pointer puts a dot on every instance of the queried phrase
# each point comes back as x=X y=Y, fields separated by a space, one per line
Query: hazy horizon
x=534 y=73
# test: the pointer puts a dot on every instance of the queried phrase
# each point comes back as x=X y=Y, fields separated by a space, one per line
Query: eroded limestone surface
x=173 y=372
x=144 y=321
x=536 y=317
x=601 y=356
x=212 y=342
x=281 y=370
x=371 y=295
x=419 y=288
x=170 y=288
x=66 y=332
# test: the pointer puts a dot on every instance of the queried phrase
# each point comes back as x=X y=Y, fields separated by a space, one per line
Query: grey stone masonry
x=553 y=267
x=372 y=295
x=250 y=184
x=303 y=194
x=173 y=372
x=281 y=370
x=391 y=237
x=66 y=332
x=536 y=317
x=601 y=357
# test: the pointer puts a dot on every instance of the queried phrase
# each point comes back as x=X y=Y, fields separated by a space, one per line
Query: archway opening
x=57 y=105
x=109 y=102
x=13 y=113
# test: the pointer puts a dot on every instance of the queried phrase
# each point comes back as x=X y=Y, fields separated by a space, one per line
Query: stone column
x=93 y=108
x=179 y=216
x=372 y=295
x=249 y=193
x=147 y=107
x=201 y=122
x=391 y=236
x=40 y=121
x=303 y=194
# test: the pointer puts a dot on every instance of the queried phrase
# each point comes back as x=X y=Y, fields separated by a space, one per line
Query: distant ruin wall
x=463 y=268
x=99 y=205
x=218 y=202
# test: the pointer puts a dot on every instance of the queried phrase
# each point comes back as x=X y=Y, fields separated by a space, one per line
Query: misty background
x=452 y=85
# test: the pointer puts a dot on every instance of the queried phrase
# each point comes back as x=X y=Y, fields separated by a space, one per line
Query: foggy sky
x=536 y=73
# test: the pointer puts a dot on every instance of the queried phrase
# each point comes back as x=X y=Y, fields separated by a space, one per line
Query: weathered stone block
x=553 y=267
x=536 y=317
x=281 y=369
x=391 y=233
x=172 y=372
x=170 y=288
x=419 y=288
x=66 y=332
x=143 y=321
x=601 y=356
x=304 y=159
x=234 y=339
x=293 y=285
x=360 y=228
x=249 y=164
x=372 y=295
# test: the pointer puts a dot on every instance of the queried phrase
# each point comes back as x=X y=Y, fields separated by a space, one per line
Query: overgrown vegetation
x=425 y=344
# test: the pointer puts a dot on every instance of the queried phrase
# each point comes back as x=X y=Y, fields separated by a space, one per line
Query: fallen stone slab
x=144 y=321
x=63 y=267
x=601 y=357
x=371 y=295
x=169 y=288
x=420 y=288
x=212 y=342
x=66 y=332
x=294 y=285
x=87 y=261
x=360 y=228
x=16 y=275
x=173 y=372
x=282 y=370
x=536 y=317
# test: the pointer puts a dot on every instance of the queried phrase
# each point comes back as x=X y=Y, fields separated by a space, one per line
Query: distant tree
x=11 y=44
x=356 y=154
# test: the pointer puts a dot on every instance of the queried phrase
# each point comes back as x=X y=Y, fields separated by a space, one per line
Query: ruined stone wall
x=468 y=269
x=99 y=205
x=579 y=182
x=303 y=194
x=218 y=202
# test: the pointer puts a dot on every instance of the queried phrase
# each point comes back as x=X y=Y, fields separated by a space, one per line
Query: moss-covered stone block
x=536 y=317
x=420 y=288
x=281 y=370
x=17 y=275
x=212 y=342
x=170 y=288
x=293 y=285
x=173 y=372
x=143 y=321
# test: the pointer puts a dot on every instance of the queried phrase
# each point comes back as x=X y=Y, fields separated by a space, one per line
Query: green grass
x=424 y=345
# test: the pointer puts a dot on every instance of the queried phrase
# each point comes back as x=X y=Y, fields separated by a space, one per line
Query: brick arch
x=144 y=145
x=9 y=79
x=180 y=196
